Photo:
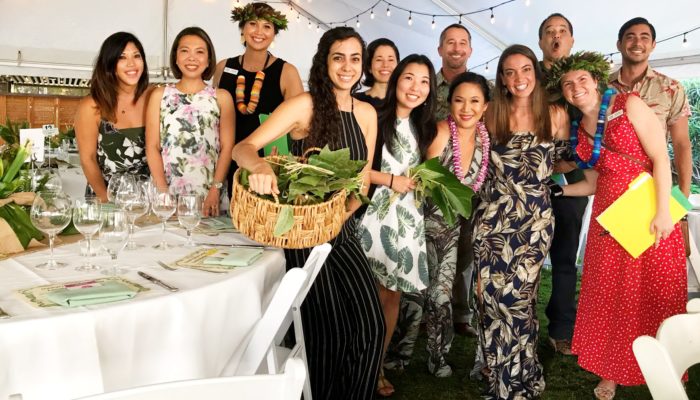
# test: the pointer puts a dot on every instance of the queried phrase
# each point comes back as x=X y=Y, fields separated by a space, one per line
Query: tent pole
x=164 y=63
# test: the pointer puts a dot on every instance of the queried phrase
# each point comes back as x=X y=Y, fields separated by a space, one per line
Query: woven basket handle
x=304 y=156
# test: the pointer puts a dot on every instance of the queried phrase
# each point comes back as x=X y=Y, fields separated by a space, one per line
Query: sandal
x=604 y=393
x=384 y=387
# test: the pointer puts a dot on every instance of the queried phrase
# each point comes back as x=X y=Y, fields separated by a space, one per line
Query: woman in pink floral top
x=189 y=124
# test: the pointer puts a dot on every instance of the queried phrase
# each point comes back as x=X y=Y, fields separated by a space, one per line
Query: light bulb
x=318 y=28
x=460 y=19
x=298 y=19
x=371 y=14
x=410 y=19
x=493 y=17
x=685 y=41
x=357 y=22
x=527 y=3
x=432 y=25
x=309 y=25
x=487 y=67
x=388 y=11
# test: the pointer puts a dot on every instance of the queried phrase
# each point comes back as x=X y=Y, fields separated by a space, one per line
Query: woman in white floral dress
x=392 y=230
x=189 y=127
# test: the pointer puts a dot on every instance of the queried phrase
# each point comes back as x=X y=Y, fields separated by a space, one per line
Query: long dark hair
x=371 y=49
x=499 y=108
x=104 y=83
x=325 y=120
x=422 y=117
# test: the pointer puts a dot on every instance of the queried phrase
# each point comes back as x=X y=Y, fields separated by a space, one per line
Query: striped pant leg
x=343 y=325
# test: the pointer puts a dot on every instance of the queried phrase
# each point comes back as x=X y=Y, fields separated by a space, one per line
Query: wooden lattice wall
x=39 y=110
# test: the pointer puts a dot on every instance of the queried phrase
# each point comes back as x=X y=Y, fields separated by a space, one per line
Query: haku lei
x=457 y=155
x=597 y=139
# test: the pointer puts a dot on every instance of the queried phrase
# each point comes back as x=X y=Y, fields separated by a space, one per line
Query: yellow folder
x=628 y=218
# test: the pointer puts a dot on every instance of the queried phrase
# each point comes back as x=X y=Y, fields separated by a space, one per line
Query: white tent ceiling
x=61 y=38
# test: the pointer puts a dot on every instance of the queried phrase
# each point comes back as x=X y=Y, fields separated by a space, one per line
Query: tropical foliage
x=692 y=90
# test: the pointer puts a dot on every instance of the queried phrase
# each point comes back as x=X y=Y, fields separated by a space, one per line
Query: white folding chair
x=287 y=386
x=664 y=359
x=273 y=320
x=279 y=354
x=693 y=306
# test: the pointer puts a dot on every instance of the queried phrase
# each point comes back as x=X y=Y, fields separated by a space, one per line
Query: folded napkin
x=91 y=293
x=236 y=257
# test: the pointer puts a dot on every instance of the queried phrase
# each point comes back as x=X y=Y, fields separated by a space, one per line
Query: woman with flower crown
x=622 y=297
x=257 y=80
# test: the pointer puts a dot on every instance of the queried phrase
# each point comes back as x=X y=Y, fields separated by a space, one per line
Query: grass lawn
x=564 y=378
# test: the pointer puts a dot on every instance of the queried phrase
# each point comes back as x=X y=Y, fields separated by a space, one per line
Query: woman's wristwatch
x=216 y=185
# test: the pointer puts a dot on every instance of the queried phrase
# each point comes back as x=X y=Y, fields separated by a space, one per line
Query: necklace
x=457 y=154
x=597 y=139
x=254 y=92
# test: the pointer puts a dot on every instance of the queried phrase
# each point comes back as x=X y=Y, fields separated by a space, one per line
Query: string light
x=460 y=19
x=527 y=3
x=410 y=18
x=290 y=7
x=298 y=19
x=493 y=17
x=309 y=25
x=371 y=14
x=612 y=63
x=388 y=11
x=318 y=28
x=487 y=67
x=432 y=25
x=357 y=22
x=685 y=41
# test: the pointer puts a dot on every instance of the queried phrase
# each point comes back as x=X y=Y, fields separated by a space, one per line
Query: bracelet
x=391 y=182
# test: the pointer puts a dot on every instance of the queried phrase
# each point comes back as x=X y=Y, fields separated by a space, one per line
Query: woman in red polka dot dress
x=621 y=297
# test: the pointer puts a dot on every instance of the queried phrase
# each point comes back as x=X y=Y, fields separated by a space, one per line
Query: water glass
x=132 y=199
x=113 y=236
x=87 y=219
x=51 y=213
x=164 y=207
x=189 y=213
x=115 y=184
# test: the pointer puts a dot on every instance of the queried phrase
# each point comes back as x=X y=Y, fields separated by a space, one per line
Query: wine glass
x=189 y=213
x=164 y=207
x=149 y=189
x=87 y=219
x=46 y=180
x=115 y=184
x=132 y=199
x=51 y=213
x=113 y=236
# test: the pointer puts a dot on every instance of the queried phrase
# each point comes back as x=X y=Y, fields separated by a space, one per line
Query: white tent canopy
x=61 y=38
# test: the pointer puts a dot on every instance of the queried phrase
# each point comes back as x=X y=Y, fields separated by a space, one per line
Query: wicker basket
x=314 y=224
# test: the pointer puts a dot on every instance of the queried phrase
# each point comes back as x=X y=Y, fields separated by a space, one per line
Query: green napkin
x=96 y=293
x=236 y=257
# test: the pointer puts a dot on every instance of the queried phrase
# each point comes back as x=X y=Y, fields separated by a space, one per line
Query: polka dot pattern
x=621 y=297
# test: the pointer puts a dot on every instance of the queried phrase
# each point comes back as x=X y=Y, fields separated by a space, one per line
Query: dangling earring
x=242 y=40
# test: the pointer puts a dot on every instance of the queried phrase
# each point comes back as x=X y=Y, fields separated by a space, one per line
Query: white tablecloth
x=156 y=337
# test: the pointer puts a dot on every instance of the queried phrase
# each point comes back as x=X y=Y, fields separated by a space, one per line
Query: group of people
x=395 y=263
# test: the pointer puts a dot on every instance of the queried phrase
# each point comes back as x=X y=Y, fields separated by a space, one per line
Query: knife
x=157 y=281
x=242 y=246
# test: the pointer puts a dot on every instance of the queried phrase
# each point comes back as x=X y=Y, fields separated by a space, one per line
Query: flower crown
x=590 y=61
x=252 y=11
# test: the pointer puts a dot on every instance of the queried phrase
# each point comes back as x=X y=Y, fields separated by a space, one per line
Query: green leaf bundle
x=435 y=181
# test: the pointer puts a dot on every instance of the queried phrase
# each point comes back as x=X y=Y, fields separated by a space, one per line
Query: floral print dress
x=393 y=231
x=189 y=138
x=513 y=228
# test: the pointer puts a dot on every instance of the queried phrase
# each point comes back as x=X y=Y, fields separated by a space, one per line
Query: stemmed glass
x=115 y=186
x=189 y=213
x=132 y=199
x=51 y=180
x=113 y=236
x=51 y=213
x=164 y=207
x=87 y=219
x=149 y=189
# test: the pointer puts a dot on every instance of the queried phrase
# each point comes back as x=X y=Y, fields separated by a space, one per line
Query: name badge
x=614 y=115
x=231 y=71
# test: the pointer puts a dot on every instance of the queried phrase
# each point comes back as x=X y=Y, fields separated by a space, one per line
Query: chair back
x=287 y=386
x=274 y=320
x=693 y=306
x=664 y=359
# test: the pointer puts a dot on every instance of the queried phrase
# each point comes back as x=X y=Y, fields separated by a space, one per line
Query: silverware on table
x=242 y=246
x=157 y=281
x=166 y=266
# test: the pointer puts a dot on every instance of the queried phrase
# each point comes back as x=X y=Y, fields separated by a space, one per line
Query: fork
x=166 y=266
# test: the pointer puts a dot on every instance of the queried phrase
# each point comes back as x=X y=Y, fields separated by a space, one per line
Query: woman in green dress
x=110 y=122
